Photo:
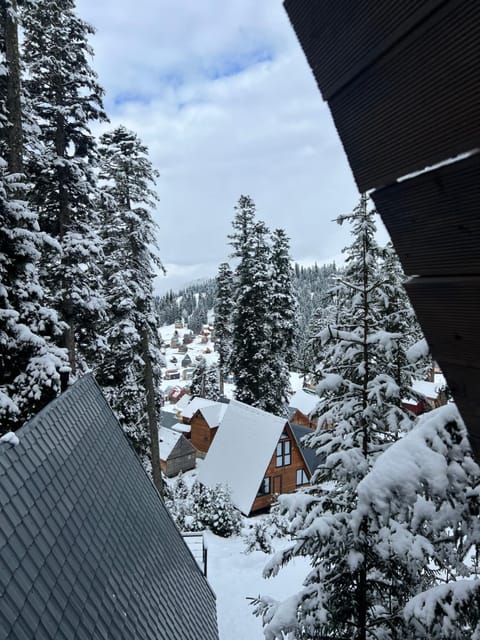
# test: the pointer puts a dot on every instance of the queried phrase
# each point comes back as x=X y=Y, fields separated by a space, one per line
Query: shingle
x=87 y=542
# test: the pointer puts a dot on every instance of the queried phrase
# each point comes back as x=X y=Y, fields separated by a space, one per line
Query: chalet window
x=264 y=489
x=283 y=454
x=302 y=477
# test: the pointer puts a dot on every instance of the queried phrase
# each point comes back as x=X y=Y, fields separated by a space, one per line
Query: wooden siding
x=201 y=434
x=300 y=418
x=282 y=479
x=402 y=83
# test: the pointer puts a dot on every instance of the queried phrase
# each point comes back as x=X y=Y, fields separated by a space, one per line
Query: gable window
x=283 y=455
x=264 y=489
x=302 y=477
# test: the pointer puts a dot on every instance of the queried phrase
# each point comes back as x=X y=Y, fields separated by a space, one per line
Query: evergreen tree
x=250 y=360
x=66 y=98
x=282 y=317
x=356 y=587
x=30 y=365
x=129 y=270
x=223 y=319
x=205 y=381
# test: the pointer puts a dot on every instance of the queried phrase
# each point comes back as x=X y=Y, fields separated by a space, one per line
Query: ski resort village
x=239 y=347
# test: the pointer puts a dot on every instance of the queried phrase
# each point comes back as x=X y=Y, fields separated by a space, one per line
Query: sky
x=223 y=97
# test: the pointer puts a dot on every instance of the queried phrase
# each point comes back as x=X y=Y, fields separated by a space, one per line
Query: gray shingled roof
x=87 y=548
x=310 y=457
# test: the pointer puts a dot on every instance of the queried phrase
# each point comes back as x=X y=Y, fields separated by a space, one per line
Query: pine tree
x=30 y=365
x=282 y=317
x=223 y=319
x=66 y=98
x=356 y=588
x=129 y=269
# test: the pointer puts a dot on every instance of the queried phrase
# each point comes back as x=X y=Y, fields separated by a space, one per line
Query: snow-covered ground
x=236 y=576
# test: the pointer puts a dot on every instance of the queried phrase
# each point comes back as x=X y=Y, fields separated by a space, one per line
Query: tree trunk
x=152 y=414
x=14 y=106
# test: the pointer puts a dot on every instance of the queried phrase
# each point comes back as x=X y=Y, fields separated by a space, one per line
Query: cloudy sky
x=222 y=95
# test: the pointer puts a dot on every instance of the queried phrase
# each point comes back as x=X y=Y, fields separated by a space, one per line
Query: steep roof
x=241 y=451
x=309 y=456
x=304 y=401
x=427 y=389
x=168 y=440
x=87 y=548
x=194 y=405
x=213 y=413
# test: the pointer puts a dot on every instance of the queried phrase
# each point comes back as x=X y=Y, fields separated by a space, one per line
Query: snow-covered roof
x=183 y=402
x=240 y=453
x=214 y=413
x=167 y=439
x=194 y=405
x=304 y=401
x=181 y=428
x=426 y=389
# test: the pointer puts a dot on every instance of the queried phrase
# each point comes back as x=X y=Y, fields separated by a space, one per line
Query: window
x=264 y=489
x=302 y=477
x=284 y=454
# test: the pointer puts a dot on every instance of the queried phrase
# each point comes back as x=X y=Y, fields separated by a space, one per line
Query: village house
x=186 y=360
x=257 y=455
x=426 y=395
x=87 y=547
x=302 y=408
x=176 y=452
x=204 y=417
x=172 y=374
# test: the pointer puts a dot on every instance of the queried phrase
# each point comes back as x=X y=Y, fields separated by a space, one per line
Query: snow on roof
x=167 y=439
x=425 y=388
x=214 y=413
x=304 y=401
x=183 y=402
x=239 y=455
x=181 y=428
x=194 y=405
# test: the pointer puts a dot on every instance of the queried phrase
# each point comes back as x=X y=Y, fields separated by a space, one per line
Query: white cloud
x=224 y=98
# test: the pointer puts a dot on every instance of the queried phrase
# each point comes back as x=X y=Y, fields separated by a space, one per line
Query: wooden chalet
x=401 y=81
x=258 y=455
x=302 y=408
x=172 y=374
x=204 y=417
x=186 y=360
x=176 y=452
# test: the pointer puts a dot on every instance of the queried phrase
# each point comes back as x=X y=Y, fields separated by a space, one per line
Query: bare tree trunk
x=152 y=414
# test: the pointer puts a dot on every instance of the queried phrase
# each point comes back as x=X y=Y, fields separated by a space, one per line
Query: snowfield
x=236 y=576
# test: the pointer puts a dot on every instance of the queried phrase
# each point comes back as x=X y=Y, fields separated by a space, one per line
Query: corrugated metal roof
x=87 y=548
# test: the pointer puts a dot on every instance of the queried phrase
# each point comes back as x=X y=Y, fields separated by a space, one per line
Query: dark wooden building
x=402 y=82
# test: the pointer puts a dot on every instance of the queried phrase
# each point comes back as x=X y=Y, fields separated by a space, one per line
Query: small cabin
x=172 y=374
x=178 y=324
x=186 y=360
x=176 y=452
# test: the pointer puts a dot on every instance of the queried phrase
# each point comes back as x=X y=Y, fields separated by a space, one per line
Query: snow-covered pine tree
x=30 y=364
x=356 y=588
x=223 y=318
x=129 y=269
x=66 y=98
x=282 y=318
x=424 y=493
x=205 y=381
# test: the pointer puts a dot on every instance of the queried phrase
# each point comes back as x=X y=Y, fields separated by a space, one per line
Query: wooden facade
x=282 y=479
x=181 y=458
x=300 y=418
x=401 y=80
x=201 y=434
